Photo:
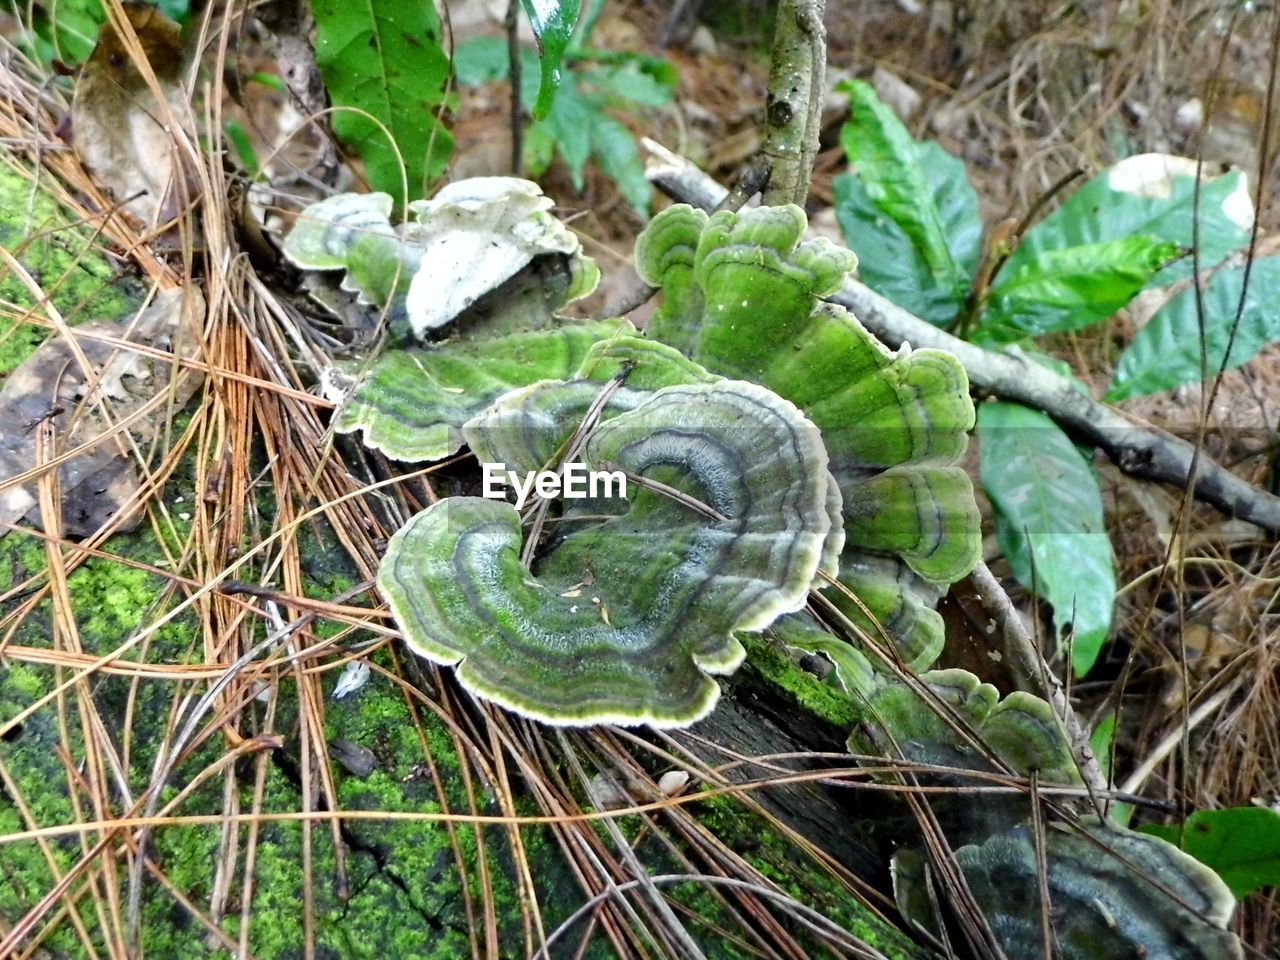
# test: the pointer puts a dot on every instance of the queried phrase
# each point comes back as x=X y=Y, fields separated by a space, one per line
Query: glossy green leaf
x=1240 y=844
x=1049 y=521
x=907 y=210
x=635 y=600
x=1165 y=353
x=1148 y=195
x=1073 y=287
x=383 y=58
x=553 y=23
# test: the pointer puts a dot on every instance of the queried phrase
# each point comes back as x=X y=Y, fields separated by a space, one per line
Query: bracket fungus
x=1113 y=894
x=742 y=298
x=1021 y=730
x=412 y=402
x=624 y=613
x=768 y=442
x=477 y=234
x=465 y=242
x=528 y=429
x=353 y=232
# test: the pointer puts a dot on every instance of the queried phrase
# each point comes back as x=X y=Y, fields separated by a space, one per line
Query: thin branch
x=1017 y=644
x=793 y=109
x=1145 y=452
x=513 y=68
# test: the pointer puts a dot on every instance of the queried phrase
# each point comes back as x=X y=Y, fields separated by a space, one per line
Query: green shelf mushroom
x=633 y=602
x=411 y=402
x=1113 y=894
x=742 y=297
x=770 y=447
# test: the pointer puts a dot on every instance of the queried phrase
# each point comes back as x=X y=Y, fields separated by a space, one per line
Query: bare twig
x=1145 y=452
x=513 y=67
x=794 y=107
x=1017 y=644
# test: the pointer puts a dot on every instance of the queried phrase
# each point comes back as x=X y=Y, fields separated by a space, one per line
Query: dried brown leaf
x=51 y=387
x=121 y=132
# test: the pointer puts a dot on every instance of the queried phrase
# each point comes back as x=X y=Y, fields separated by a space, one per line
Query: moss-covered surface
x=405 y=886
x=405 y=891
x=769 y=666
x=60 y=255
x=797 y=875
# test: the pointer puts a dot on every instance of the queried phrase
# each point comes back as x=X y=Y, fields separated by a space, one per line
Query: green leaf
x=1240 y=844
x=66 y=30
x=1073 y=287
x=1049 y=521
x=569 y=122
x=1100 y=742
x=553 y=22
x=539 y=149
x=1166 y=352
x=1152 y=195
x=481 y=60
x=647 y=81
x=383 y=57
x=242 y=144
x=909 y=213
x=615 y=149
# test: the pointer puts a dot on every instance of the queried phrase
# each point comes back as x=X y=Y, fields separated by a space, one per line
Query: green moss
x=799 y=876
x=771 y=665
x=59 y=255
x=406 y=884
